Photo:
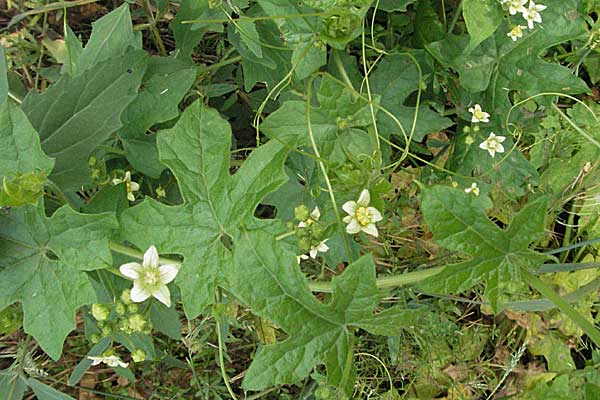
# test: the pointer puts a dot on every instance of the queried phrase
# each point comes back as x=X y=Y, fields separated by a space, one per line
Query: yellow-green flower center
x=478 y=114
x=128 y=187
x=362 y=216
x=151 y=277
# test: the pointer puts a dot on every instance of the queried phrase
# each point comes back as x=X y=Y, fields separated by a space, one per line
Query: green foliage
x=43 y=265
x=459 y=223
x=233 y=164
x=197 y=151
x=318 y=333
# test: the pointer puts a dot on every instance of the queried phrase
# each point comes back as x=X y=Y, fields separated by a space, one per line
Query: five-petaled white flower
x=478 y=114
x=111 y=361
x=493 y=144
x=532 y=13
x=130 y=186
x=516 y=32
x=150 y=278
x=473 y=189
x=314 y=216
x=314 y=250
x=515 y=6
x=360 y=216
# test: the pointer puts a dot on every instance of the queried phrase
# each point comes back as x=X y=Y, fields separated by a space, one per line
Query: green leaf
x=3 y=77
x=20 y=153
x=188 y=35
x=75 y=115
x=265 y=276
x=110 y=38
x=12 y=382
x=166 y=320
x=167 y=81
x=459 y=223
x=45 y=392
x=395 y=79
x=482 y=18
x=74 y=48
x=197 y=149
x=42 y=264
x=249 y=35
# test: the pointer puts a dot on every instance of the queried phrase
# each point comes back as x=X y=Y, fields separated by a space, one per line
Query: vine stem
x=222 y=359
x=563 y=306
x=313 y=144
x=386 y=282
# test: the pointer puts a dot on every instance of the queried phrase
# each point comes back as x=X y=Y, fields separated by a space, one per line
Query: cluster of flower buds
x=310 y=233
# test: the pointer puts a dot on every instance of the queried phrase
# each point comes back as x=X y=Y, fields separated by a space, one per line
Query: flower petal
x=374 y=214
x=168 y=272
x=500 y=148
x=500 y=139
x=323 y=248
x=302 y=224
x=127 y=177
x=134 y=186
x=96 y=360
x=350 y=207
x=364 y=199
x=130 y=196
x=162 y=294
x=131 y=270
x=348 y=218
x=353 y=227
x=139 y=294
x=313 y=252
x=316 y=214
x=151 y=257
x=370 y=229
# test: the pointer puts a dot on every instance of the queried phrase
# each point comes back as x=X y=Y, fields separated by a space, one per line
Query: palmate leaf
x=395 y=78
x=459 y=222
x=197 y=150
x=75 y=115
x=42 y=264
x=265 y=276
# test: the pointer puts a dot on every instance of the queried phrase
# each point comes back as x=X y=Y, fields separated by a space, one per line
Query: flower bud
x=476 y=128
x=304 y=244
x=120 y=308
x=137 y=322
x=469 y=140
x=132 y=308
x=100 y=312
x=466 y=129
x=107 y=330
x=126 y=296
x=317 y=231
x=301 y=213
x=138 y=355
x=95 y=338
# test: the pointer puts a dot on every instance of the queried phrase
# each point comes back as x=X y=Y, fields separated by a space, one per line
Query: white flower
x=515 y=6
x=150 y=278
x=493 y=144
x=111 y=361
x=516 y=32
x=478 y=114
x=321 y=247
x=473 y=189
x=314 y=216
x=532 y=13
x=360 y=216
x=314 y=250
x=129 y=185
